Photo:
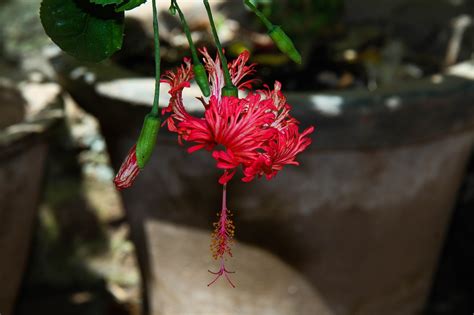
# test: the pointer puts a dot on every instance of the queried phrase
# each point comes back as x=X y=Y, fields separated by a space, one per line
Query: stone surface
x=264 y=284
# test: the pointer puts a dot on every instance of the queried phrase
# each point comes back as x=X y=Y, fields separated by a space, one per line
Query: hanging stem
x=260 y=15
x=156 y=35
x=187 y=31
x=227 y=78
x=200 y=74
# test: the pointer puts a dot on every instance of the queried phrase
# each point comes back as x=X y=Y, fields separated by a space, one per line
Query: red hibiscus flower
x=255 y=132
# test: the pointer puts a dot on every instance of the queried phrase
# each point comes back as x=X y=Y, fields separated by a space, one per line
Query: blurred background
x=377 y=219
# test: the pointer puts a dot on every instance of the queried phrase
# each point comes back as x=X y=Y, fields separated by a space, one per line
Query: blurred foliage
x=20 y=28
x=305 y=22
x=302 y=18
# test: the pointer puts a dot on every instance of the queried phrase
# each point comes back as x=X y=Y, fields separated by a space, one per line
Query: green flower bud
x=230 y=91
x=201 y=78
x=147 y=140
x=284 y=43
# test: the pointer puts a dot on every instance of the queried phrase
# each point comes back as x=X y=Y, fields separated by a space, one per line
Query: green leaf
x=106 y=2
x=129 y=5
x=84 y=30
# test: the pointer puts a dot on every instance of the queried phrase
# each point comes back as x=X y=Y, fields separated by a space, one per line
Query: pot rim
x=400 y=114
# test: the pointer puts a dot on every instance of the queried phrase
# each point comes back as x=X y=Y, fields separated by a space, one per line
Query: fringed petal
x=128 y=171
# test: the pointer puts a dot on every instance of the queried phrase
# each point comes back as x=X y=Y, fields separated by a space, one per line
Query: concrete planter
x=23 y=149
x=364 y=216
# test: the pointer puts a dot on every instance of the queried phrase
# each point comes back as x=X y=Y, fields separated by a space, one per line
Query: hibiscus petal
x=226 y=177
x=128 y=171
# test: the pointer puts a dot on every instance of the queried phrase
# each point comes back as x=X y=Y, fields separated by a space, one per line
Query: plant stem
x=227 y=78
x=187 y=31
x=156 y=35
x=260 y=15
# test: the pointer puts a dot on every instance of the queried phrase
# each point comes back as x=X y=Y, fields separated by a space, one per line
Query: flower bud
x=200 y=76
x=230 y=91
x=128 y=171
x=147 y=140
x=284 y=43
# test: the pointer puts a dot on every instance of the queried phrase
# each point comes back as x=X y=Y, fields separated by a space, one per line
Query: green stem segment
x=199 y=71
x=229 y=88
x=187 y=31
x=261 y=16
x=151 y=125
x=155 y=110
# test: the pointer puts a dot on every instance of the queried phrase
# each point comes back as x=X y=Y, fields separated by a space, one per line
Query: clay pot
x=364 y=216
x=23 y=150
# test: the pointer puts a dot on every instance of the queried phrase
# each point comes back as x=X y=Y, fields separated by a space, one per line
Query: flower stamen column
x=222 y=239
